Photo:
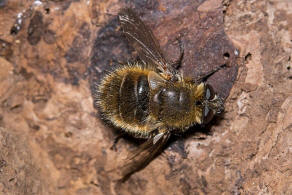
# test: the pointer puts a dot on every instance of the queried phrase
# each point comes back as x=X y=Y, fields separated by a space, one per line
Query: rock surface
x=53 y=142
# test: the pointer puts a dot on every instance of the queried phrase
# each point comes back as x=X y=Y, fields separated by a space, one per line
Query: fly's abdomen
x=124 y=99
x=134 y=98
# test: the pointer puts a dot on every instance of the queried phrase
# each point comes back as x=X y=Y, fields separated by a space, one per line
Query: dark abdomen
x=124 y=99
x=133 y=98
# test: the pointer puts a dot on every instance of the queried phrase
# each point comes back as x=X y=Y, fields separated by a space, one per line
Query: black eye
x=198 y=103
x=209 y=92
x=207 y=115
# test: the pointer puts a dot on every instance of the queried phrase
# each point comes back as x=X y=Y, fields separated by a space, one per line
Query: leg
x=176 y=64
x=204 y=77
x=113 y=147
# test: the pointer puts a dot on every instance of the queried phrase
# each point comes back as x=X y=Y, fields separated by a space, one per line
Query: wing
x=143 y=155
x=143 y=40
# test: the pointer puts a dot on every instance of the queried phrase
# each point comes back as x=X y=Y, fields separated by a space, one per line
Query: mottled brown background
x=53 y=142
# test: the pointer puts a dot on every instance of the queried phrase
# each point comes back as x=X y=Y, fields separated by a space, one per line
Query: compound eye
x=209 y=92
x=198 y=103
x=207 y=115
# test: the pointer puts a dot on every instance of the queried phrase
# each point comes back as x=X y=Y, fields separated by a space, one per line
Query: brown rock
x=53 y=52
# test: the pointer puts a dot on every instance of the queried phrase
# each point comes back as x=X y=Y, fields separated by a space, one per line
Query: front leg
x=176 y=64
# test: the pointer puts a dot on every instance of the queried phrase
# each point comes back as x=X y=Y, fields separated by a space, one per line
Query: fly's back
x=140 y=100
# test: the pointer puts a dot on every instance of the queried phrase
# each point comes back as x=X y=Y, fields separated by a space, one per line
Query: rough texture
x=53 y=142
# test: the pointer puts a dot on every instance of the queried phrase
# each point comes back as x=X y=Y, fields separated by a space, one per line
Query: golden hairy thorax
x=139 y=100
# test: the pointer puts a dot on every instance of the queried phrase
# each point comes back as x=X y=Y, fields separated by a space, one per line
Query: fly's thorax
x=172 y=103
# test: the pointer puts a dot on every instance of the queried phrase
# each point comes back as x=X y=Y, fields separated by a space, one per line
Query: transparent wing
x=143 y=40
x=143 y=155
